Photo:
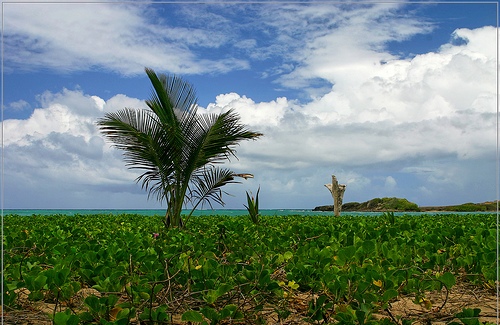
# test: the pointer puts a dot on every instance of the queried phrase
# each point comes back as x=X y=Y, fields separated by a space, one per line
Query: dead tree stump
x=337 y=191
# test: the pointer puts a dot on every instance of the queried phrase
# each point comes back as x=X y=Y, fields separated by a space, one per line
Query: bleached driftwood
x=337 y=191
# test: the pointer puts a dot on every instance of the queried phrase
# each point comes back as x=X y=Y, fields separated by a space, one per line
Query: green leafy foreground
x=128 y=269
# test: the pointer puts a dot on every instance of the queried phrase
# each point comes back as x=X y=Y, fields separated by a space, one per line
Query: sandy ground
x=438 y=308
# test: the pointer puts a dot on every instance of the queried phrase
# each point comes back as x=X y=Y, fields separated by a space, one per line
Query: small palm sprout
x=178 y=150
x=253 y=207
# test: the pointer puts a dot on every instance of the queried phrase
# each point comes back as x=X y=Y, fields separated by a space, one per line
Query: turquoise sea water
x=227 y=212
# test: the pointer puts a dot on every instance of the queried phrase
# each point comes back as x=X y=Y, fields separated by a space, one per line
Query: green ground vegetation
x=229 y=270
x=382 y=204
x=472 y=207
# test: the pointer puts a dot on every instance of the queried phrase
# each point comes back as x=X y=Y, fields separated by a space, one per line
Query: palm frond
x=173 y=98
x=218 y=135
x=207 y=185
x=253 y=206
x=160 y=102
x=144 y=143
x=174 y=102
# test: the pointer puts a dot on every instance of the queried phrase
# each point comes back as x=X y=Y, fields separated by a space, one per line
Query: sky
x=395 y=98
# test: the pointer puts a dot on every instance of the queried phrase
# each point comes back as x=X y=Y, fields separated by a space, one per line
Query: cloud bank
x=420 y=127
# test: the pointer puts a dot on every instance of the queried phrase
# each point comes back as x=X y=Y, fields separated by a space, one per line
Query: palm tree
x=178 y=149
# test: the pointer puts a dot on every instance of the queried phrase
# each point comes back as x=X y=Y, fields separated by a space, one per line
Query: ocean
x=208 y=212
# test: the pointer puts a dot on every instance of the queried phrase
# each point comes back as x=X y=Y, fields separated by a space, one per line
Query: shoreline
x=403 y=205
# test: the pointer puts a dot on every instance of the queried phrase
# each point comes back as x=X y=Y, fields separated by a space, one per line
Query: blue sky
x=394 y=98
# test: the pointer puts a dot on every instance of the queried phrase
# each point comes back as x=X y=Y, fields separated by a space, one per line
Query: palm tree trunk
x=166 y=221
x=173 y=222
x=173 y=217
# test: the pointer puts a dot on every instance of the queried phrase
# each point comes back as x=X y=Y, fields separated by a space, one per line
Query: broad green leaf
x=123 y=313
x=469 y=316
x=287 y=255
x=157 y=288
x=224 y=288
x=93 y=303
x=490 y=257
x=230 y=310
x=360 y=315
x=192 y=316
x=448 y=279
x=211 y=296
x=66 y=318
x=39 y=282
x=211 y=314
x=368 y=246
x=390 y=294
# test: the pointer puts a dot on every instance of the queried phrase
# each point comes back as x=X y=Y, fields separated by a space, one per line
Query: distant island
x=402 y=205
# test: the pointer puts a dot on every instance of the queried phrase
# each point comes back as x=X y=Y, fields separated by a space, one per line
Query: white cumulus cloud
x=57 y=154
